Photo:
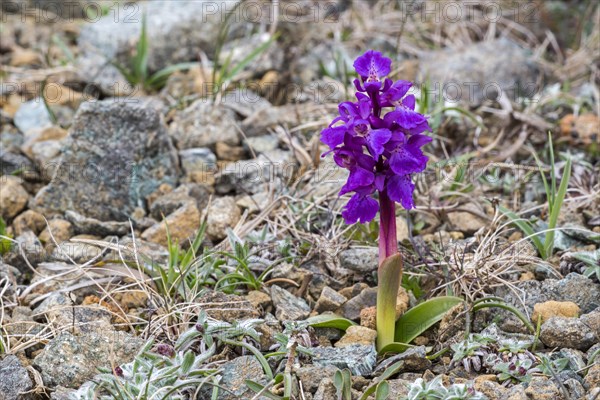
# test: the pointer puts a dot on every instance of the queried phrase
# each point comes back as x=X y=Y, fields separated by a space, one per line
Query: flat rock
x=351 y=309
x=360 y=259
x=91 y=226
x=567 y=332
x=182 y=225
x=69 y=360
x=360 y=359
x=287 y=306
x=117 y=153
x=15 y=379
x=203 y=124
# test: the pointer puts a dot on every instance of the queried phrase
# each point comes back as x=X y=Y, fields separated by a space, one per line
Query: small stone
x=592 y=320
x=399 y=387
x=29 y=244
x=92 y=226
x=311 y=376
x=527 y=276
x=183 y=224
x=357 y=334
x=592 y=378
x=354 y=290
x=542 y=388
x=351 y=309
x=413 y=359
x=78 y=252
x=227 y=307
x=330 y=300
x=21 y=57
x=226 y=152
x=198 y=159
x=32 y=114
x=567 y=332
x=401 y=229
x=234 y=374
x=29 y=220
x=58 y=310
x=550 y=309
x=360 y=359
x=69 y=360
x=517 y=392
x=222 y=213
x=287 y=306
x=261 y=144
x=58 y=230
x=13 y=197
x=368 y=317
x=15 y=379
x=487 y=385
x=166 y=204
x=326 y=390
x=42 y=136
x=455 y=235
x=259 y=300
x=360 y=259
x=203 y=124
x=466 y=222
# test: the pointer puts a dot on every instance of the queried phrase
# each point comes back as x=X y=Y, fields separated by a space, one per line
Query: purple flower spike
x=378 y=139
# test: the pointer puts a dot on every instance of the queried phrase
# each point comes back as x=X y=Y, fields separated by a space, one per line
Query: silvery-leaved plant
x=435 y=390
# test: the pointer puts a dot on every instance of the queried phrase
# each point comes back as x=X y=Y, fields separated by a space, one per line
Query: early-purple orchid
x=378 y=138
x=381 y=150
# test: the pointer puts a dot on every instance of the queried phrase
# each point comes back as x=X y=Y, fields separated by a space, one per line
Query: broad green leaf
x=329 y=321
x=383 y=391
x=395 y=347
x=389 y=276
x=420 y=318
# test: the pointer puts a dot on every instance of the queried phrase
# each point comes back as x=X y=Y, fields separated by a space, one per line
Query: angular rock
x=261 y=144
x=413 y=360
x=203 y=124
x=357 y=334
x=472 y=73
x=311 y=375
x=592 y=378
x=227 y=307
x=542 y=388
x=351 y=309
x=58 y=309
x=15 y=379
x=236 y=51
x=11 y=162
x=245 y=101
x=32 y=114
x=234 y=374
x=330 y=300
x=567 y=332
x=29 y=220
x=13 y=197
x=287 y=306
x=27 y=245
x=69 y=360
x=176 y=34
x=91 y=226
x=58 y=230
x=326 y=390
x=360 y=359
x=78 y=252
x=466 y=222
x=183 y=224
x=184 y=194
x=198 y=159
x=116 y=155
x=360 y=259
x=222 y=213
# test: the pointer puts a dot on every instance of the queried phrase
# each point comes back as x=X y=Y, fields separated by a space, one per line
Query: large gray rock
x=14 y=379
x=474 y=73
x=117 y=154
x=69 y=360
x=176 y=34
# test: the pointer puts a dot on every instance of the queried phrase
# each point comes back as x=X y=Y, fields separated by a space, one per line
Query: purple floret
x=382 y=150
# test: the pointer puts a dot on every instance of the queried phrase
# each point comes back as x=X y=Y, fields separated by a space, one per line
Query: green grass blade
x=159 y=78
x=383 y=391
x=258 y=388
x=420 y=318
x=527 y=229
x=558 y=201
x=230 y=74
x=391 y=370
